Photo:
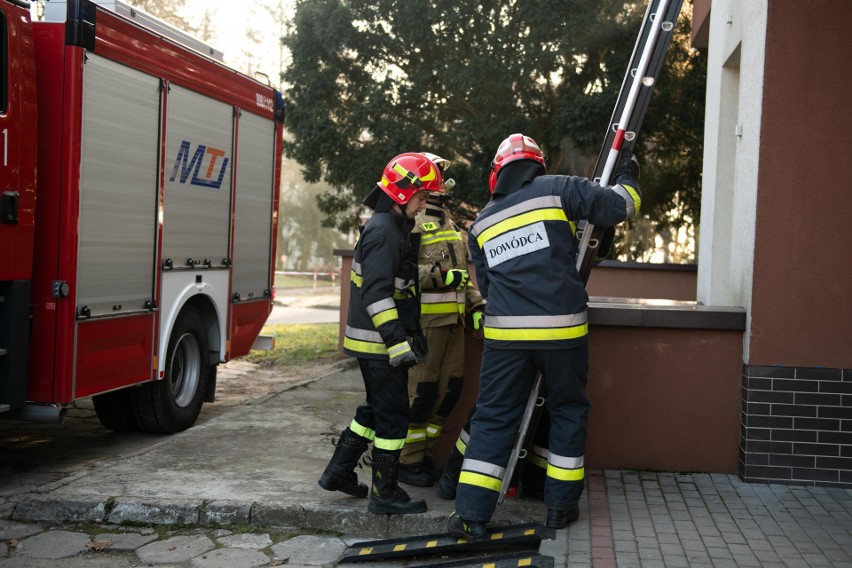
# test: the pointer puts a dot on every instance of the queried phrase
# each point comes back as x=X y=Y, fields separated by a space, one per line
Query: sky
x=231 y=21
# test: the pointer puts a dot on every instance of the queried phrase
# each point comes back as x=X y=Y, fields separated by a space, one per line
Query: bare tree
x=262 y=43
x=171 y=12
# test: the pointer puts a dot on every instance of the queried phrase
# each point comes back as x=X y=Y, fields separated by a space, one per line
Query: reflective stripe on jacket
x=525 y=255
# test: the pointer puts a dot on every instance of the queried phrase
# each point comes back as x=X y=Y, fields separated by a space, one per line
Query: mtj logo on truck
x=209 y=179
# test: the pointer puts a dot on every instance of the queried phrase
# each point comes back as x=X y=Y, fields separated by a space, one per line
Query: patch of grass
x=297 y=344
x=285 y=281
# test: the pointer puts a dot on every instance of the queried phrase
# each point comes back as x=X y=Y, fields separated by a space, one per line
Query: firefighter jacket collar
x=378 y=200
x=516 y=175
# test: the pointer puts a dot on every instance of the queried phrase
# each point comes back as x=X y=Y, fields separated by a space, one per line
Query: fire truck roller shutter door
x=253 y=208
x=172 y=404
x=198 y=166
x=118 y=187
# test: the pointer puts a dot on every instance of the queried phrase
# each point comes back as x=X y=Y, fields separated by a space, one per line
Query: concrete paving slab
x=126 y=540
x=230 y=558
x=310 y=550
x=175 y=549
x=255 y=541
x=11 y=529
x=84 y=561
x=52 y=545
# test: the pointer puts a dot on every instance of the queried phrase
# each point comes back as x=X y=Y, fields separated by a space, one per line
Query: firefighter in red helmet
x=383 y=332
x=525 y=254
x=434 y=386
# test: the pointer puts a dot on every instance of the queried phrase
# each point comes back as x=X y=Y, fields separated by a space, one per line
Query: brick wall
x=796 y=426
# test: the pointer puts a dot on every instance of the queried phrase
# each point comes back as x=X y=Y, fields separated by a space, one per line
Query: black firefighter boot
x=339 y=474
x=386 y=496
x=450 y=478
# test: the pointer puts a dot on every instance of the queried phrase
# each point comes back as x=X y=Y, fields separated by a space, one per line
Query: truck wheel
x=115 y=410
x=172 y=404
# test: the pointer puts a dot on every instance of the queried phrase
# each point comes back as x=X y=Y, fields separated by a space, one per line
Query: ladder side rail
x=530 y=440
x=517 y=449
x=621 y=136
x=621 y=100
x=637 y=116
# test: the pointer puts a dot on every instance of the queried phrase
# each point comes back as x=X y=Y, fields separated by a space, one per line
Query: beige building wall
x=731 y=153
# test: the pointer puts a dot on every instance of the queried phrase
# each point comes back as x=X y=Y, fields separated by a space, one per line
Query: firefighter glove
x=628 y=167
x=401 y=354
x=478 y=320
x=455 y=278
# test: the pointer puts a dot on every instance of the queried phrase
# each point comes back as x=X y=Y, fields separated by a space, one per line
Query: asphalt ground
x=239 y=489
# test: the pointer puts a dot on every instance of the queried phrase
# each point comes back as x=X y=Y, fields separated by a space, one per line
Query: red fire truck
x=139 y=207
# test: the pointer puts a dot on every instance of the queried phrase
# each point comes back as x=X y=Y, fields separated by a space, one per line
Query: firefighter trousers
x=434 y=388
x=505 y=382
x=383 y=416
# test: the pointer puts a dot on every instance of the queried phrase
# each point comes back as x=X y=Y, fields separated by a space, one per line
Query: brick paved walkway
x=649 y=520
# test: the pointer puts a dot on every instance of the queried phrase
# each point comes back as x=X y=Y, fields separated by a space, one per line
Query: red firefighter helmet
x=515 y=147
x=409 y=173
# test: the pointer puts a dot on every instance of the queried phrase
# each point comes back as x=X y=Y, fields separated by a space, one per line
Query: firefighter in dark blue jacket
x=525 y=255
x=383 y=332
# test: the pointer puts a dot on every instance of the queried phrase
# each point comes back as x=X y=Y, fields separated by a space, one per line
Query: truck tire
x=115 y=410
x=173 y=403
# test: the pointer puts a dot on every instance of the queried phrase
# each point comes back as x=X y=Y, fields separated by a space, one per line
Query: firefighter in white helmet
x=383 y=332
x=448 y=297
x=525 y=255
